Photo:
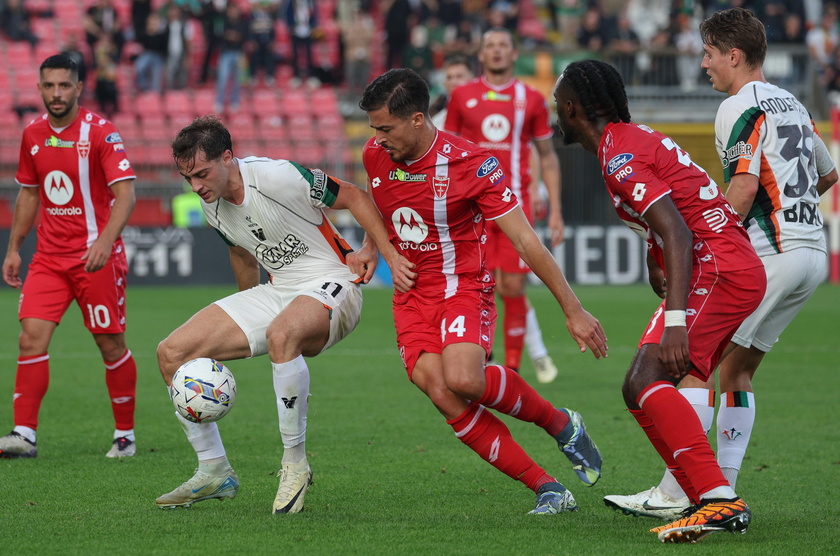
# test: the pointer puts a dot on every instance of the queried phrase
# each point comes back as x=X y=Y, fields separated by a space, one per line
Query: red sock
x=516 y=312
x=31 y=382
x=506 y=391
x=488 y=437
x=677 y=424
x=121 y=379
x=666 y=454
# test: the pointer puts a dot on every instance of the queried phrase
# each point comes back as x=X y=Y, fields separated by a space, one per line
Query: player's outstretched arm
x=100 y=250
x=363 y=209
x=26 y=207
x=583 y=327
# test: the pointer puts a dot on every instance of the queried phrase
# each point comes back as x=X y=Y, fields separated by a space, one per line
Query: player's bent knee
x=465 y=386
x=168 y=359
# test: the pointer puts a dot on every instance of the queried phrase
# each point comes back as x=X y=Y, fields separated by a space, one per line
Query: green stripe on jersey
x=741 y=132
x=321 y=186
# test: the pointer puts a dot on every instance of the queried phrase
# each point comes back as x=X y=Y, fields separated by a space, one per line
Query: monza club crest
x=440 y=186
x=83 y=148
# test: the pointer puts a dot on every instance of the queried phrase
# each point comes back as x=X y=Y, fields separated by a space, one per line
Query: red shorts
x=500 y=252
x=424 y=326
x=53 y=282
x=717 y=305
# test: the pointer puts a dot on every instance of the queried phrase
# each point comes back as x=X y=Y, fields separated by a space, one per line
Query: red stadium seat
x=294 y=102
x=204 y=99
x=148 y=104
x=176 y=103
x=247 y=147
x=265 y=103
x=309 y=154
x=156 y=129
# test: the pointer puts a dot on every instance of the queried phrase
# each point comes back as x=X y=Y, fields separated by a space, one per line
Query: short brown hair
x=736 y=28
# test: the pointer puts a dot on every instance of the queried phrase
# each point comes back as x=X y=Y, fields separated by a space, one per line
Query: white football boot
x=201 y=487
x=295 y=479
x=649 y=503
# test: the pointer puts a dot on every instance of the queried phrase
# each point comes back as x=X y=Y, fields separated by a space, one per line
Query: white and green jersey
x=763 y=130
x=282 y=223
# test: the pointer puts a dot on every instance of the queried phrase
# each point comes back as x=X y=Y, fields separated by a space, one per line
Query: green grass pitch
x=390 y=476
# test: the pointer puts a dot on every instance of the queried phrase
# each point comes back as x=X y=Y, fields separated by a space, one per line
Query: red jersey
x=504 y=120
x=641 y=165
x=74 y=167
x=435 y=209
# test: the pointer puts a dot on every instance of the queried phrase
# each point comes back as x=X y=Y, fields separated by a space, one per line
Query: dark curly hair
x=599 y=88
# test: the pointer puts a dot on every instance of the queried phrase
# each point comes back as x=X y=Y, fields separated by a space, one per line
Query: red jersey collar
x=497 y=87
x=432 y=146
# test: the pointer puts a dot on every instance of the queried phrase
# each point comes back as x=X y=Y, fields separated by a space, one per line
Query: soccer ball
x=203 y=390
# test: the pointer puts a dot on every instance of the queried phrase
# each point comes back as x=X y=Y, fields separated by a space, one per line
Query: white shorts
x=254 y=309
x=791 y=279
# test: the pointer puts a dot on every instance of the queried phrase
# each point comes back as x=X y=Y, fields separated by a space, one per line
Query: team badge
x=440 y=186
x=84 y=148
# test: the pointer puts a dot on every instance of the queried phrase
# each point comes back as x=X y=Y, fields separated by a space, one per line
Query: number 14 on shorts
x=457 y=327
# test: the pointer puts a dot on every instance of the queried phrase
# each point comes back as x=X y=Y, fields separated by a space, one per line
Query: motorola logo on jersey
x=495 y=127
x=58 y=187
x=409 y=225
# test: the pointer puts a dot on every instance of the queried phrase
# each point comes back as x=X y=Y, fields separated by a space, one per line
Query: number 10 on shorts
x=98 y=316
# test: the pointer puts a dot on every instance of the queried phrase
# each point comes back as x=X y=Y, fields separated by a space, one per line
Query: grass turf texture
x=390 y=477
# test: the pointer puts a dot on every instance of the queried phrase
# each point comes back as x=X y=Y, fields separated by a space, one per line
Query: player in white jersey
x=271 y=214
x=777 y=168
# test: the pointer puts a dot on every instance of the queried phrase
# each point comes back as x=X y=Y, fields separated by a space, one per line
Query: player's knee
x=628 y=393
x=111 y=347
x=280 y=343
x=31 y=344
x=168 y=359
x=464 y=385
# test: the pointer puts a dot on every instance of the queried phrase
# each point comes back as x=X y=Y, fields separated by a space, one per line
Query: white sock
x=734 y=428
x=703 y=402
x=204 y=438
x=533 y=336
x=291 y=386
x=26 y=432
x=129 y=434
x=719 y=492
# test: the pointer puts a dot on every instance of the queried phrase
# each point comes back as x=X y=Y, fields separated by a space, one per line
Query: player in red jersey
x=506 y=116
x=73 y=165
x=435 y=191
x=714 y=281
